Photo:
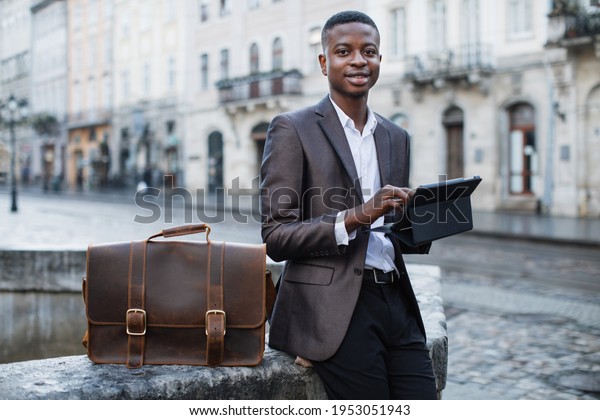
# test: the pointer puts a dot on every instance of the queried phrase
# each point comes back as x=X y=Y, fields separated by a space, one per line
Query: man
x=330 y=173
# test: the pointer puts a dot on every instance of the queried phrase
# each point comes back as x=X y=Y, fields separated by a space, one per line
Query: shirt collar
x=347 y=122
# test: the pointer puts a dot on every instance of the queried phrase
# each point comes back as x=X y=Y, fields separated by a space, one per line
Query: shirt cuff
x=341 y=235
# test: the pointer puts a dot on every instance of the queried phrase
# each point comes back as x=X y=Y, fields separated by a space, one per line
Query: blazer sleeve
x=288 y=230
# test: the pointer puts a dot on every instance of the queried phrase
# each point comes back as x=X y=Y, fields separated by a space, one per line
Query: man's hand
x=385 y=200
x=303 y=362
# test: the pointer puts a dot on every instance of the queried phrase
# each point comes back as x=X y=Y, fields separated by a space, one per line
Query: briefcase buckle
x=215 y=312
x=136 y=311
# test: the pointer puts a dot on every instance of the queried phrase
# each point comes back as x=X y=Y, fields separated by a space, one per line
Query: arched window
x=215 y=161
x=522 y=149
x=254 y=59
x=259 y=135
x=400 y=120
x=277 y=54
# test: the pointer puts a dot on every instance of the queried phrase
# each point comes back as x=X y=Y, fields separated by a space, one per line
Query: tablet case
x=436 y=211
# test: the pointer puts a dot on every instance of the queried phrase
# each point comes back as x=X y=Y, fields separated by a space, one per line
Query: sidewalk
x=567 y=230
x=574 y=231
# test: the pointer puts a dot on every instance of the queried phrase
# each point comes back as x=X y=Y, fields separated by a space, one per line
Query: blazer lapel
x=384 y=152
x=334 y=132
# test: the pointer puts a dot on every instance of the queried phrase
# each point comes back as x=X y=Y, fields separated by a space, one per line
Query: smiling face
x=351 y=60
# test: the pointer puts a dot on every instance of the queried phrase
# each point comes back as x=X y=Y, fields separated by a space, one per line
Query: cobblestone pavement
x=517 y=339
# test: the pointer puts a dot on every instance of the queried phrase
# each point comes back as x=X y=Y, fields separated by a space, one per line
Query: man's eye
x=371 y=52
x=342 y=52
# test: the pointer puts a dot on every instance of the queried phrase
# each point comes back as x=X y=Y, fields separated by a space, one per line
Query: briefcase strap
x=136 y=313
x=215 y=319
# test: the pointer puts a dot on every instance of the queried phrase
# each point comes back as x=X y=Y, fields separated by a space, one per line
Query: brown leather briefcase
x=177 y=302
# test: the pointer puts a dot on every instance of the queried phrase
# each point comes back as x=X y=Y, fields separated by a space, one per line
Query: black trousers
x=383 y=355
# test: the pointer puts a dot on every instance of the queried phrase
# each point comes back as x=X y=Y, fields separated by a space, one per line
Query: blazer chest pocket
x=308 y=274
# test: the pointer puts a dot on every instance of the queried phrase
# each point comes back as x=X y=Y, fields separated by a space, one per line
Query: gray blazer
x=308 y=175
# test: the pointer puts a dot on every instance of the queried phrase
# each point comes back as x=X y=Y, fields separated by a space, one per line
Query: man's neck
x=355 y=108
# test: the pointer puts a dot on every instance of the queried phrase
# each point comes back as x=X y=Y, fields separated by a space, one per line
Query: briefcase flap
x=176 y=283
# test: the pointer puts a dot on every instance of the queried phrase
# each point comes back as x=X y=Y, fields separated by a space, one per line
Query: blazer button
x=358 y=271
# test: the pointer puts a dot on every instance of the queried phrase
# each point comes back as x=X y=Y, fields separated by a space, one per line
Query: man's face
x=351 y=59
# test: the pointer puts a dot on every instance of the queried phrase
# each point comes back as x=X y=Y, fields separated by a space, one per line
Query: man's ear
x=323 y=64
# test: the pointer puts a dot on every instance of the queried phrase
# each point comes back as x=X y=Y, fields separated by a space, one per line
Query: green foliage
x=45 y=124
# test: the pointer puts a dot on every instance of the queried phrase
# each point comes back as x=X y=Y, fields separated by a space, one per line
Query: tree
x=45 y=124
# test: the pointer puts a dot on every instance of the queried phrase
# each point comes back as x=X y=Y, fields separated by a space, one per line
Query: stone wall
x=75 y=377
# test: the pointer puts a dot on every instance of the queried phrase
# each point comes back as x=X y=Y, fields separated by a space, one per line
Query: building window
x=108 y=52
x=224 y=7
x=277 y=54
x=125 y=24
x=170 y=127
x=519 y=18
x=224 y=65
x=145 y=18
x=522 y=149
x=91 y=94
x=77 y=98
x=254 y=59
x=170 y=10
x=108 y=9
x=470 y=33
x=106 y=92
x=146 y=78
x=215 y=161
x=91 y=64
x=471 y=19
x=398 y=32
x=438 y=26
x=314 y=49
x=93 y=11
x=125 y=84
x=77 y=17
x=203 y=10
x=253 y=4
x=400 y=120
x=171 y=73
x=204 y=72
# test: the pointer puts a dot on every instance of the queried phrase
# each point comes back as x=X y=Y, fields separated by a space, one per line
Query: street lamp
x=13 y=111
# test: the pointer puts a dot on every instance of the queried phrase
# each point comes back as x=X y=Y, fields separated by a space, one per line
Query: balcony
x=89 y=118
x=260 y=87
x=571 y=29
x=464 y=63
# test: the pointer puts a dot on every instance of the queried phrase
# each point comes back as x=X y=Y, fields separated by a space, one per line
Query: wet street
x=523 y=317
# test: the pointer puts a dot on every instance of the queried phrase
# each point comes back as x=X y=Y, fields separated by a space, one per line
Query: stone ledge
x=75 y=377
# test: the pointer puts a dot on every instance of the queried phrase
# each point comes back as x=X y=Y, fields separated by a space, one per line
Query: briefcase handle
x=183 y=230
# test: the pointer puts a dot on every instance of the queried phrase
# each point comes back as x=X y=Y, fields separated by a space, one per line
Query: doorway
x=453 y=121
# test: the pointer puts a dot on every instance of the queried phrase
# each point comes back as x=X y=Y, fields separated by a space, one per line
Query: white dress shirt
x=380 y=251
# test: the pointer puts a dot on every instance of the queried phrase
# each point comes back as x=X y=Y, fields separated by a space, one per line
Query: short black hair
x=348 y=16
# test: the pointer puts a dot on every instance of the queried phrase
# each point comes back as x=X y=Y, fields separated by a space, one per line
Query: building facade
x=152 y=44
x=479 y=85
x=90 y=93
x=49 y=91
x=508 y=90
x=15 y=79
x=252 y=60
x=485 y=91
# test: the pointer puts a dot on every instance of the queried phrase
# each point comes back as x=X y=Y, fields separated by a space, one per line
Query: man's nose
x=357 y=59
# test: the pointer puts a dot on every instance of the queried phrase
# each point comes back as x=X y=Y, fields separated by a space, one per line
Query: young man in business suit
x=331 y=172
